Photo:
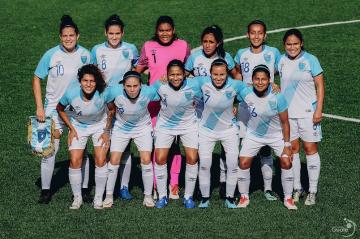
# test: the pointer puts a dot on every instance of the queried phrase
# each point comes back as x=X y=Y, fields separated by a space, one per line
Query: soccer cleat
x=97 y=203
x=222 y=190
x=270 y=195
x=310 y=199
x=86 y=196
x=108 y=202
x=243 y=202
x=124 y=194
x=155 y=196
x=205 y=202
x=298 y=193
x=162 y=202
x=230 y=203
x=148 y=201
x=290 y=204
x=189 y=203
x=76 y=203
x=173 y=191
x=45 y=196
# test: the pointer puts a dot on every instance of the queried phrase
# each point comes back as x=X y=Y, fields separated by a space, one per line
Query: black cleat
x=45 y=196
x=222 y=190
x=86 y=196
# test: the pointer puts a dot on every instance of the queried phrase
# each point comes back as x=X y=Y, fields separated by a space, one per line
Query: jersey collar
x=63 y=49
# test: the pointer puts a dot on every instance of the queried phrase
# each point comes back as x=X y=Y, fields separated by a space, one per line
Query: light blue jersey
x=177 y=111
x=85 y=113
x=60 y=68
x=264 y=123
x=218 y=111
x=114 y=63
x=199 y=64
x=131 y=116
x=297 y=83
x=247 y=60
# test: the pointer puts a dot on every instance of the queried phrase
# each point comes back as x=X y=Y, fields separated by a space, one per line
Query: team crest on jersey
x=188 y=95
x=272 y=104
x=41 y=133
x=267 y=58
x=143 y=103
x=228 y=94
x=99 y=103
x=125 y=54
x=302 y=66
x=83 y=59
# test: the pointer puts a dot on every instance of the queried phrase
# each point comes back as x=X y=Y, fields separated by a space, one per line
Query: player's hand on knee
x=72 y=135
x=104 y=139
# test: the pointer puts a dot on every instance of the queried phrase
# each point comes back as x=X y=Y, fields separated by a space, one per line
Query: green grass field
x=29 y=28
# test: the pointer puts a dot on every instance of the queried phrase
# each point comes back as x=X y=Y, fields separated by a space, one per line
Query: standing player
x=155 y=56
x=268 y=125
x=59 y=65
x=115 y=57
x=177 y=118
x=246 y=59
x=302 y=82
x=132 y=122
x=89 y=120
x=218 y=124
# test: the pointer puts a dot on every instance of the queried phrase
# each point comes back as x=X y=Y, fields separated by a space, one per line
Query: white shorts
x=250 y=147
x=95 y=131
x=119 y=140
x=305 y=129
x=164 y=139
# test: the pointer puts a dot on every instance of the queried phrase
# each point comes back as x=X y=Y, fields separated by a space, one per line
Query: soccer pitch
x=29 y=28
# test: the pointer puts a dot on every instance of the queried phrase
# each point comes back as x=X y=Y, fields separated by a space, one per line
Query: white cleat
x=148 y=201
x=290 y=204
x=174 y=192
x=76 y=203
x=243 y=202
x=155 y=196
x=297 y=194
x=98 y=204
x=310 y=199
x=108 y=202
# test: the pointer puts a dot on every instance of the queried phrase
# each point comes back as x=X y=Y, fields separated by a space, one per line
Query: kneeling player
x=268 y=125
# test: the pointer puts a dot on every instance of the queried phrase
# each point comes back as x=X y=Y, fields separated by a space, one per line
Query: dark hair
x=93 y=70
x=129 y=74
x=114 y=20
x=219 y=37
x=256 y=22
x=261 y=68
x=294 y=32
x=176 y=62
x=161 y=20
x=66 y=21
x=219 y=62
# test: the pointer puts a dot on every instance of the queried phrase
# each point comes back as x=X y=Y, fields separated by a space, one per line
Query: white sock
x=231 y=179
x=296 y=165
x=267 y=171
x=112 y=175
x=75 y=181
x=85 y=168
x=147 y=177
x=101 y=174
x=125 y=169
x=190 y=179
x=204 y=178
x=244 y=182
x=313 y=167
x=222 y=171
x=287 y=181
x=47 y=167
x=161 y=179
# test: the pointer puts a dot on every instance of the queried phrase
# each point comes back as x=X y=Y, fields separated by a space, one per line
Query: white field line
x=302 y=27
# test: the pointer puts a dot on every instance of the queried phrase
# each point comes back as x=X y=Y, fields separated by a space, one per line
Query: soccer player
x=218 y=123
x=268 y=125
x=246 y=59
x=89 y=120
x=132 y=122
x=115 y=57
x=198 y=64
x=59 y=65
x=177 y=118
x=155 y=56
x=302 y=83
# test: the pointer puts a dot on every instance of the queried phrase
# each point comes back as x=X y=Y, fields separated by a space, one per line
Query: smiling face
x=69 y=38
x=165 y=32
x=209 y=44
x=132 y=87
x=114 y=35
x=176 y=76
x=261 y=81
x=218 y=75
x=88 y=84
x=293 y=46
x=256 y=35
